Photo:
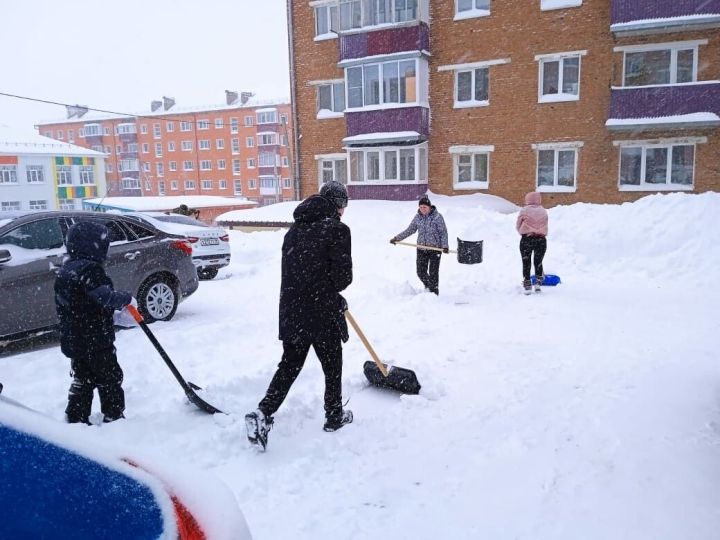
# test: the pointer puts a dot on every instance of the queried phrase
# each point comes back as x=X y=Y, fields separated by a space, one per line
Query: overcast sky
x=122 y=54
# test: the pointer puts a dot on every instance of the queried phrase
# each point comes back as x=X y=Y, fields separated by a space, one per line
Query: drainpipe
x=293 y=102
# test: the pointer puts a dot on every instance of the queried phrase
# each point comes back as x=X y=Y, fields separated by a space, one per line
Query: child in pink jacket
x=532 y=224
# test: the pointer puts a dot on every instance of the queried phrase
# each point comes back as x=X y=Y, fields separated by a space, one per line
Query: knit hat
x=424 y=201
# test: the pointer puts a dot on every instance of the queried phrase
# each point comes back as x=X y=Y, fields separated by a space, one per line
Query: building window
x=559 y=77
x=249 y=142
x=472 y=87
x=267 y=159
x=71 y=136
x=38 y=205
x=249 y=121
x=169 y=127
x=156 y=131
x=106 y=131
x=64 y=175
x=132 y=148
x=143 y=129
x=118 y=149
x=236 y=167
x=174 y=185
x=471 y=166
x=129 y=165
x=557 y=166
x=657 y=166
x=220 y=144
x=235 y=146
x=158 y=150
x=237 y=187
x=108 y=150
x=385 y=83
x=286 y=183
x=333 y=168
x=10 y=206
x=660 y=66
x=108 y=167
x=189 y=184
x=126 y=129
x=161 y=188
x=219 y=123
x=130 y=183
x=207 y=184
x=204 y=144
x=187 y=146
x=222 y=184
x=268 y=182
x=146 y=148
x=206 y=165
x=172 y=165
x=188 y=166
x=284 y=119
x=35 y=174
x=326 y=21
x=267 y=139
x=203 y=124
x=466 y=9
x=67 y=204
x=285 y=161
x=160 y=169
x=252 y=184
x=546 y=5
x=221 y=164
x=389 y=164
x=234 y=126
x=146 y=167
x=171 y=146
x=185 y=126
x=148 y=185
x=251 y=163
x=330 y=99
x=362 y=13
x=87 y=174
x=267 y=117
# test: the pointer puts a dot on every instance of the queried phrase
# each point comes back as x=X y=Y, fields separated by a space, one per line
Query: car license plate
x=209 y=242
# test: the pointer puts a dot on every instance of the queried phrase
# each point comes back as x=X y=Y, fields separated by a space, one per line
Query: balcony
x=385 y=41
x=636 y=17
x=684 y=106
x=405 y=119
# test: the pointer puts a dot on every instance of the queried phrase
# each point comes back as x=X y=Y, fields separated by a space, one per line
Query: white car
x=210 y=245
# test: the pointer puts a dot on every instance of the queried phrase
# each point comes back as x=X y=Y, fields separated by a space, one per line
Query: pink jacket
x=533 y=218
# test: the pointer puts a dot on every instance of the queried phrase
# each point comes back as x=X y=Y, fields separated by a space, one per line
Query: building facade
x=37 y=173
x=240 y=149
x=584 y=100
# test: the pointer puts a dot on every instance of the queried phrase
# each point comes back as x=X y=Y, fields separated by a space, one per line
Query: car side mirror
x=4 y=256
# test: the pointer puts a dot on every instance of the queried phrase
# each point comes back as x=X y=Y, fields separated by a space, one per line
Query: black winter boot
x=335 y=422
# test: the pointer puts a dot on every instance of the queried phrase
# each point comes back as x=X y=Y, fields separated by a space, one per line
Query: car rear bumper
x=211 y=261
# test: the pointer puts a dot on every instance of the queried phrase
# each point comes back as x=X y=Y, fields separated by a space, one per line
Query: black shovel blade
x=470 y=252
x=199 y=402
x=399 y=379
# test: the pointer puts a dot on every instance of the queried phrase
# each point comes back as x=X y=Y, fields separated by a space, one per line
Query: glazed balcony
x=633 y=17
x=681 y=106
x=385 y=41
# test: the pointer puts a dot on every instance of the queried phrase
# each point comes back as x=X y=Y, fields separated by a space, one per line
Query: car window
x=176 y=218
x=42 y=234
x=138 y=231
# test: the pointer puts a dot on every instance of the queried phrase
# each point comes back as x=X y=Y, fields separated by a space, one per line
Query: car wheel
x=207 y=273
x=157 y=299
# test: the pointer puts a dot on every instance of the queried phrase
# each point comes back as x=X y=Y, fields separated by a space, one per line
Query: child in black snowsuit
x=85 y=301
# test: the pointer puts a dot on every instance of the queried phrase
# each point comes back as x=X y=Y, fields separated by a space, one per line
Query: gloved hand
x=446 y=250
x=393 y=240
x=134 y=303
x=343 y=303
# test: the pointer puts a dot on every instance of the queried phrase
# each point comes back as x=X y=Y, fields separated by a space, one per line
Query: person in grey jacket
x=430 y=226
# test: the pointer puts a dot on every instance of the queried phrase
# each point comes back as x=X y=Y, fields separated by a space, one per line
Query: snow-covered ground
x=591 y=410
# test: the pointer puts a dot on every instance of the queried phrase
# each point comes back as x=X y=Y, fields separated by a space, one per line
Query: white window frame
x=674 y=47
x=63 y=175
x=473 y=84
x=172 y=165
x=158 y=149
x=252 y=184
x=219 y=123
x=185 y=125
x=324 y=11
x=173 y=185
x=421 y=84
x=186 y=146
x=39 y=204
x=235 y=146
x=145 y=148
x=234 y=125
x=557 y=148
x=189 y=184
x=472 y=12
x=266 y=117
x=68 y=204
x=219 y=144
x=249 y=121
x=146 y=166
x=332 y=160
x=237 y=187
x=204 y=144
x=8 y=174
x=221 y=164
x=417 y=148
x=206 y=185
x=421 y=14
x=236 y=167
x=206 y=165
x=10 y=206
x=156 y=131
x=35 y=174
x=161 y=187
x=171 y=146
x=169 y=127
x=667 y=143
x=549 y=5
x=470 y=150
x=250 y=142
x=559 y=96
x=222 y=184
x=251 y=163
x=333 y=84
x=87 y=175
x=267 y=138
x=203 y=124
x=159 y=169
x=188 y=166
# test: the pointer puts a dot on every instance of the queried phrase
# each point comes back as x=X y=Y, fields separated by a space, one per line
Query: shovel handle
x=425 y=247
x=354 y=324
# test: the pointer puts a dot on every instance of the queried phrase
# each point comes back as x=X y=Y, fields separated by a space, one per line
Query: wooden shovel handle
x=354 y=324
x=425 y=247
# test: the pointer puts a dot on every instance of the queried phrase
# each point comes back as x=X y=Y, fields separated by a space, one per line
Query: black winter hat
x=336 y=193
x=88 y=239
x=424 y=201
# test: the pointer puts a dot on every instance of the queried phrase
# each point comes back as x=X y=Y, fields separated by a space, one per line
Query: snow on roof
x=19 y=142
x=666 y=21
x=693 y=118
x=385 y=136
x=94 y=116
x=139 y=204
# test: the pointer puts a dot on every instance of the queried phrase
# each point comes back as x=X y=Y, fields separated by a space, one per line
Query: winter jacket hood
x=533 y=218
x=533 y=197
x=88 y=240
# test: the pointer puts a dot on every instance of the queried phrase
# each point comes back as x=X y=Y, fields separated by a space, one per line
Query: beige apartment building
x=236 y=149
x=583 y=100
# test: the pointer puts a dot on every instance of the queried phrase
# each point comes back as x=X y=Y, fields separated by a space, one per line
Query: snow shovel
x=379 y=374
x=187 y=386
x=468 y=251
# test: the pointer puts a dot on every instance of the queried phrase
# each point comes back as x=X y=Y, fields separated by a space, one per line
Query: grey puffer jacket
x=431 y=229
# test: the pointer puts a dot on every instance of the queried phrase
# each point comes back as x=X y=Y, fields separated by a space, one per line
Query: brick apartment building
x=584 y=100
x=239 y=149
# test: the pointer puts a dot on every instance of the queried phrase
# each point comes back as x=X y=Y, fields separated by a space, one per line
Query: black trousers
x=428 y=269
x=535 y=247
x=329 y=352
x=99 y=369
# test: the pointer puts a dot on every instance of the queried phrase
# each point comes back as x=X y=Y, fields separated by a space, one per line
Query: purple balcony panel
x=387 y=41
x=625 y=11
x=395 y=192
x=128 y=137
x=268 y=171
x=663 y=101
x=388 y=120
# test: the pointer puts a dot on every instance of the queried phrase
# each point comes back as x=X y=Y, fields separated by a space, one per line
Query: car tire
x=157 y=299
x=207 y=273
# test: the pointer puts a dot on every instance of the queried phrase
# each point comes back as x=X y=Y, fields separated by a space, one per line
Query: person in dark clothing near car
x=85 y=301
x=316 y=266
x=430 y=226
